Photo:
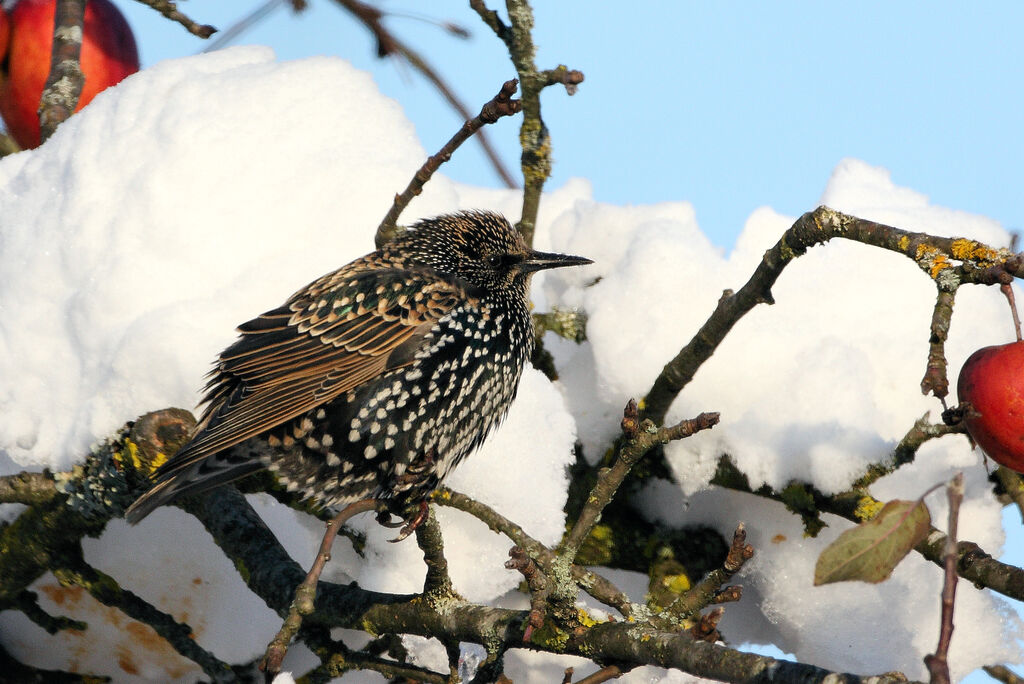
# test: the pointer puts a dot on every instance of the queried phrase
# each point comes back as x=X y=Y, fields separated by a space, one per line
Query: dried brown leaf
x=870 y=551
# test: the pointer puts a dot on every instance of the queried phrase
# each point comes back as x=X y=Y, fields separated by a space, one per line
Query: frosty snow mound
x=203 y=191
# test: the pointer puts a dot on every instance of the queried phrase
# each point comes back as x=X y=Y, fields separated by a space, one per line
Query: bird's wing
x=337 y=333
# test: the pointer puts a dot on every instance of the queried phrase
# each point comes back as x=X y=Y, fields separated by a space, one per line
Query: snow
x=203 y=191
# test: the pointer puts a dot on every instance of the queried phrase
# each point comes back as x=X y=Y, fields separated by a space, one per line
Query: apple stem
x=1007 y=290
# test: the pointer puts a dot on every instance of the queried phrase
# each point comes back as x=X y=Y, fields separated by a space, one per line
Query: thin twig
x=491 y=18
x=305 y=593
x=570 y=78
x=389 y=44
x=500 y=105
x=592 y=583
x=538 y=585
x=1003 y=674
x=169 y=9
x=534 y=138
x=922 y=431
x=336 y=660
x=242 y=25
x=1007 y=290
x=706 y=629
x=938 y=665
x=708 y=590
x=603 y=675
x=632 y=450
x=65 y=80
x=935 y=379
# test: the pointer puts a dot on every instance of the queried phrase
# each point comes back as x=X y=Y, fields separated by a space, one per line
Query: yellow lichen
x=867 y=508
x=550 y=636
x=969 y=250
x=903 y=243
x=677 y=584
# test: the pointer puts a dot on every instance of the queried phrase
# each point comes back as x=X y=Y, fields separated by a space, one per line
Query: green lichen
x=798 y=498
x=549 y=636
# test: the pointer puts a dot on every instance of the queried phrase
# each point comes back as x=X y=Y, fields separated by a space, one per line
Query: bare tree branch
x=533 y=134
x=305 y=593
x=708 y=590
x=592 y=583
x=27 y=488
x=389 y=44
x=980 y=264
x=169 y=9
x=65 y=80
x=938 y=664
x=935 y=380
x=500 y=105
x=639 y=440
x=973 y=563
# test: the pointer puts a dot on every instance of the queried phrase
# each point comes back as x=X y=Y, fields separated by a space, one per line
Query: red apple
x=992 y=381
x=5 y=32
x=108 y=55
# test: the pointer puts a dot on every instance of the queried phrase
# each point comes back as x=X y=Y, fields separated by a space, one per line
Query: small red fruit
x=992 y=381
x=5 y=33
x=108 y=55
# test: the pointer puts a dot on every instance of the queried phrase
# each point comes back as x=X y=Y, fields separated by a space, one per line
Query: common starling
x=375 y=380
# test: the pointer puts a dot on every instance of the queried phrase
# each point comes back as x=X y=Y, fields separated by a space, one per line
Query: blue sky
x=729 y=106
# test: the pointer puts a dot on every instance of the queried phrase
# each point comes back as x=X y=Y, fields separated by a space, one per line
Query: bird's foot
x=408 y=524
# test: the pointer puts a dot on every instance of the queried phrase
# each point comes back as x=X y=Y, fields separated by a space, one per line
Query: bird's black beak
x=538 y=261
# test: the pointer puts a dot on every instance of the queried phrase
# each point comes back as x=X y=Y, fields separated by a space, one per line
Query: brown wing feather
x=339 y=332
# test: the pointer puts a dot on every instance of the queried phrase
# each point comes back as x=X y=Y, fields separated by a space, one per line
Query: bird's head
x=480 y=247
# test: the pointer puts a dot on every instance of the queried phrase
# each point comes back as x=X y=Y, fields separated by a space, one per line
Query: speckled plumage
x=376 y=379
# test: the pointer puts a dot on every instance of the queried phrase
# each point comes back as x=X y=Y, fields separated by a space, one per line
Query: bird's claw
x=384 y=520
x=410 y=525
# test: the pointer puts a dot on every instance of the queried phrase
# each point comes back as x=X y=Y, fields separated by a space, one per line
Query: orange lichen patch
x=778 y=539
x=69 y=596
x=932 y=260
x=137 y=647
x=197 y=580
x=126 y=662
x=969 y=250
x=142 y=638
x=940 y=264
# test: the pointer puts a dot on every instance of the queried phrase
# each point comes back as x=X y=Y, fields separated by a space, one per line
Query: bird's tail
x=178 y=478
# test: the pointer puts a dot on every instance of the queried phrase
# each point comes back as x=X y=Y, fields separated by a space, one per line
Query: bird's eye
x=495 y=260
